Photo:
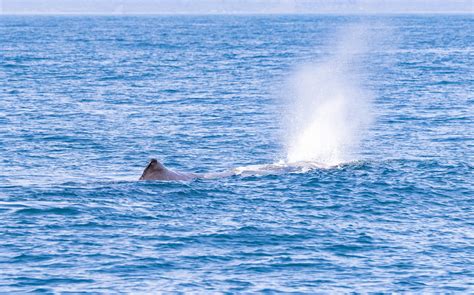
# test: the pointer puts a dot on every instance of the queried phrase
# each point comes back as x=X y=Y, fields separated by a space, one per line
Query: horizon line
x=231 y=13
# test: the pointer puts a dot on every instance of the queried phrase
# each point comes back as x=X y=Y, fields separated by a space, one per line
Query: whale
x=157 y=171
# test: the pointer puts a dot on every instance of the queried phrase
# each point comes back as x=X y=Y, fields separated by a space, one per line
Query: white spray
x=328 y=108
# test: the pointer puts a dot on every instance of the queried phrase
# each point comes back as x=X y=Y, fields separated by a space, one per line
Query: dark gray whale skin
x=157 y=171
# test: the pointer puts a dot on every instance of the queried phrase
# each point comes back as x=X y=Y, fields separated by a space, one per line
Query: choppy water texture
x=85 y=102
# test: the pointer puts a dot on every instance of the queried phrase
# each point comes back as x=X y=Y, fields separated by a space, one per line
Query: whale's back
x=157 y=171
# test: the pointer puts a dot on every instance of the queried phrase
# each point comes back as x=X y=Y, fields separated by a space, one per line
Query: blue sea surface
x=85 y=102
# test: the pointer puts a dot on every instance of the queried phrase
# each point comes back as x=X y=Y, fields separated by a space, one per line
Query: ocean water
x=369 y=120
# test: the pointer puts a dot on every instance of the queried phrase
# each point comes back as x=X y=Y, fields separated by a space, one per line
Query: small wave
x=43 y=211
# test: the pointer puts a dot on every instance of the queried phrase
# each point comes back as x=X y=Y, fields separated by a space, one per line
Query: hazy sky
x=231 y=6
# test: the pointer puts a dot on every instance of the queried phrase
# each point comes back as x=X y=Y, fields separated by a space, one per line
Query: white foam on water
x=329 y=110
x=277 y=168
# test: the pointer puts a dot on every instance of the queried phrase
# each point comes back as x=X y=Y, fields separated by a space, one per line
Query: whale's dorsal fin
x=153 y=166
